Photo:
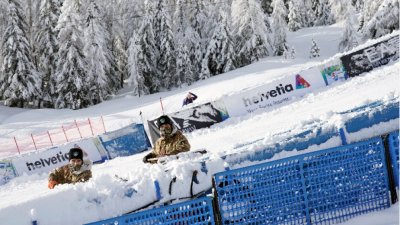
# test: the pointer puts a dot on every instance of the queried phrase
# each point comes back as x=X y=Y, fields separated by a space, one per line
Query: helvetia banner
x=274 y=94
x=194 y=118
x=379 y=54
x=52 y=158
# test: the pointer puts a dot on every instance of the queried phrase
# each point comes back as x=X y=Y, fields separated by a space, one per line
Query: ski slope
x=104 y=196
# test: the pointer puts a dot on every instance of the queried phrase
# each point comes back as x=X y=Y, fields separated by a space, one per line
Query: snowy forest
x=77 y=53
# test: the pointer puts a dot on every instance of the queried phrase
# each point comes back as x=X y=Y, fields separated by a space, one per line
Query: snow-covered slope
x=104 y=196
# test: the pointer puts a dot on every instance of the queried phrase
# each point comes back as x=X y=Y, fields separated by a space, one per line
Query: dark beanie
x=163 y=120
x=75 y=153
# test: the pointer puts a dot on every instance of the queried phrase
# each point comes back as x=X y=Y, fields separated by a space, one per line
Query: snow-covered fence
x=324 y=187
x=73 y=131
x=343 y=127
x=198 y=211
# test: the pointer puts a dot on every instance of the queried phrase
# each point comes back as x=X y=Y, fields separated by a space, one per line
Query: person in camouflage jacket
x=171 y=142
x=77 y=170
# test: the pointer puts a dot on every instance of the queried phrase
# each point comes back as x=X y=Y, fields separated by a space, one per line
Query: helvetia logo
x=277 y=91
x=301 y=83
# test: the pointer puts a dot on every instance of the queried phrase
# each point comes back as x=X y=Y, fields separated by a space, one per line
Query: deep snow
x=104 y=196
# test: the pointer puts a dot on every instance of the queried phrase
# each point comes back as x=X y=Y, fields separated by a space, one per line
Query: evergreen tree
x=199 y=22
x=164 y=43
x=292 y=53
x=295 y=15
x=279 y=26
x=219 y=54
x=314 y=52
x=251 y=33
x=384 y=21
x=20 y=83
x=369 y=9
x=350 y=37
x=72 y=88
x=147 y=57
x=99 y=73
x=136 y=79
x=47 y=48
x=120 y=55
x=323 y=13
x=188 y=49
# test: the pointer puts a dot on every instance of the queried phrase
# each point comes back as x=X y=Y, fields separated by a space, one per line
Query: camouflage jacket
x=66 y=175
x=172 y=145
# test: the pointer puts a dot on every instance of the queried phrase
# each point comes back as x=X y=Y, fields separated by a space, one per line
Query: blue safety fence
x=394 y=154
x=323 y=187
x=126 y=141
x=372 y=114
x=199 y=211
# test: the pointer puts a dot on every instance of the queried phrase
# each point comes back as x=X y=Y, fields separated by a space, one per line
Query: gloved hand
x=148 y=156
x=52 y=183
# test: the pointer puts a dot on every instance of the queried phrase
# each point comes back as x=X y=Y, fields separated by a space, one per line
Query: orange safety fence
x=73 y=131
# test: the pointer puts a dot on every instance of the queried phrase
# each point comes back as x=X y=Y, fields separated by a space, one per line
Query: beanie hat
x=163 y=120
x=75 y=153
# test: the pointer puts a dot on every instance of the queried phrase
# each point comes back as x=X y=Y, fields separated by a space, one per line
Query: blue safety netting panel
x=126 y=141
x=323 y=187
x=372 y=114
x=394 y=154
x=199 y=211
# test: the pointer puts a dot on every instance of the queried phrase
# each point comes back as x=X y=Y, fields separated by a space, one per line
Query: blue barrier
x=199 y=211
x=394 y=154
x=371 y=114
x=323 y=187
x=125 y=141
x=313 y=134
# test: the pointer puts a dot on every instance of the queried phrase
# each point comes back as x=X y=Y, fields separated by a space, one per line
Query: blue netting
x=197 y=211
x=394 y=154
x=323 y=187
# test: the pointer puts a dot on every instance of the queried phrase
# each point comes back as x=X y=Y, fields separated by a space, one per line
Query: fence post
x=65 y=134
x=51 y=141
x=17 y=145
x=76 y=124
x=104 y=127
x=34 y=144
x=90 y=124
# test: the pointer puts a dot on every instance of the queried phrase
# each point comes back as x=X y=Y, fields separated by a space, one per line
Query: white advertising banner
x=275 y=94
x=49 y=159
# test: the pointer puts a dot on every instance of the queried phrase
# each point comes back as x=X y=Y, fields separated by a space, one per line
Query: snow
x=104 y=196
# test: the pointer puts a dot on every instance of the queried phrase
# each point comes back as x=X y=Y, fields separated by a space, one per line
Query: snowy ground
x=76 y=204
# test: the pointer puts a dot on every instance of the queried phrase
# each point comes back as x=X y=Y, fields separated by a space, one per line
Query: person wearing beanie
x=171 y=142
x=77 y=170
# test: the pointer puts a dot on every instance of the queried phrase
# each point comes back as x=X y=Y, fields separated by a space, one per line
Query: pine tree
x=350 y=37
x=72 y=88
x=292 y=53
x=220 y=53
x=279 y=26
x=250 y=31
x=47 y=48
x=164 y=43
x=136 y=79
x=188 y=49
x=323 y=13
x=370 y=7
x=384 y=21
x=295 y=15
x=21 y=82
x=99 y=73
x=314 y=52
x=147 y=57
